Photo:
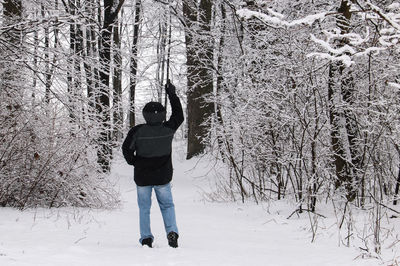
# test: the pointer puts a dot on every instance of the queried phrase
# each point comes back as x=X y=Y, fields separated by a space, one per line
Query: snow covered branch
x=392 y=19
x=277 y=19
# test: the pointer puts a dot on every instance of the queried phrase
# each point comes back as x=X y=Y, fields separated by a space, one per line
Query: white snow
x=394 y=85
x=389 y=19
x=210 y=233
x=344 y=58
x=394 y=6
x=278 y=19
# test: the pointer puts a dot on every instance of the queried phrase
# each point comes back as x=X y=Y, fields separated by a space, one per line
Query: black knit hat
x=153 y=107
x=154 y=113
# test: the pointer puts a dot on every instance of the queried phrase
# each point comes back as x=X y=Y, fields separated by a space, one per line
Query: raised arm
x=176 y=118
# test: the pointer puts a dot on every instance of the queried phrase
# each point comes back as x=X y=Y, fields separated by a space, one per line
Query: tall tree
x=12 y=12
x=199 y=57
x=90 y=53
x=111 y=11
x=117 y=83
x=134 y=62
x=161 y=51
x=74 y=60
x=340 y=90
x=46 y=58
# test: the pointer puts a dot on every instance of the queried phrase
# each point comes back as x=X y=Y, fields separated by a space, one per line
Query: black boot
x=173 y=239
x=148 y=242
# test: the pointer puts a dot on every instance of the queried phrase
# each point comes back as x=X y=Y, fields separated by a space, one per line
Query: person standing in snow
x=148 y=147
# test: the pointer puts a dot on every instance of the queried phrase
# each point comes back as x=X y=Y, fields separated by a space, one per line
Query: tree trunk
x=161 y=49
x=12 y=10
x=78 y=55
x=104 y=153
x=35 y=64
x=117 y=85
x=12 y=13
x=134 y=64
x=199 y=66
x=340 y=88
x=46 y=59
x=91 y=51
x=70 y=59
x=219 y=86
x=56 y=40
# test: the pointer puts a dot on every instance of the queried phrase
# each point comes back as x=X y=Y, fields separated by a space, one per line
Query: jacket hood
x=154 y=113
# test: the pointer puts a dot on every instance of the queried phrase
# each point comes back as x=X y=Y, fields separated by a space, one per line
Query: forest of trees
x=297 y=99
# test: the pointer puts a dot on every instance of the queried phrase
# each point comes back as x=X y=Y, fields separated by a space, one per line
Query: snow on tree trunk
x=343 y=122
x=134 y=62
x=199 y=56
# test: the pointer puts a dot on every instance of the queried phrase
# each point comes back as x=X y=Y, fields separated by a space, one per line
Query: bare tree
x=134 y=62
x=111 y=11
x=199 y=56
x=341 y=86
x=117 y=83
x=45 y=156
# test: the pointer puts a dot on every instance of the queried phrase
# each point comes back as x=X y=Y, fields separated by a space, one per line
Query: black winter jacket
x=148 y=147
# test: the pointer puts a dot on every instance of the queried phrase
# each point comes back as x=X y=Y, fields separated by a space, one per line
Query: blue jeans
x=165 y=201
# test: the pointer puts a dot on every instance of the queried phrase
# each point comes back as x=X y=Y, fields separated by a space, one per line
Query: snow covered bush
x=308 y=105
x=49 y=133
x=270 y=110
x=48 y=161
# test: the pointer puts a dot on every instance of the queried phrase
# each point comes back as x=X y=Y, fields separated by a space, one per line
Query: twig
x=297 y=211
x=80 y=239
x=383 y=205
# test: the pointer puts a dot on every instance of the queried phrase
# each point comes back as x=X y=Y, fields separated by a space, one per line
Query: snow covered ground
x=210 y=233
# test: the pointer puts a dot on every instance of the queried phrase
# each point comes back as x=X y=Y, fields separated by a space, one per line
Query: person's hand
x=132 y=160
x=170 y=88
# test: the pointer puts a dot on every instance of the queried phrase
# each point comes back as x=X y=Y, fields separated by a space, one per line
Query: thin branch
x=115 y=13
x=175 y=12
x=383 y=205
x=307 y=210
